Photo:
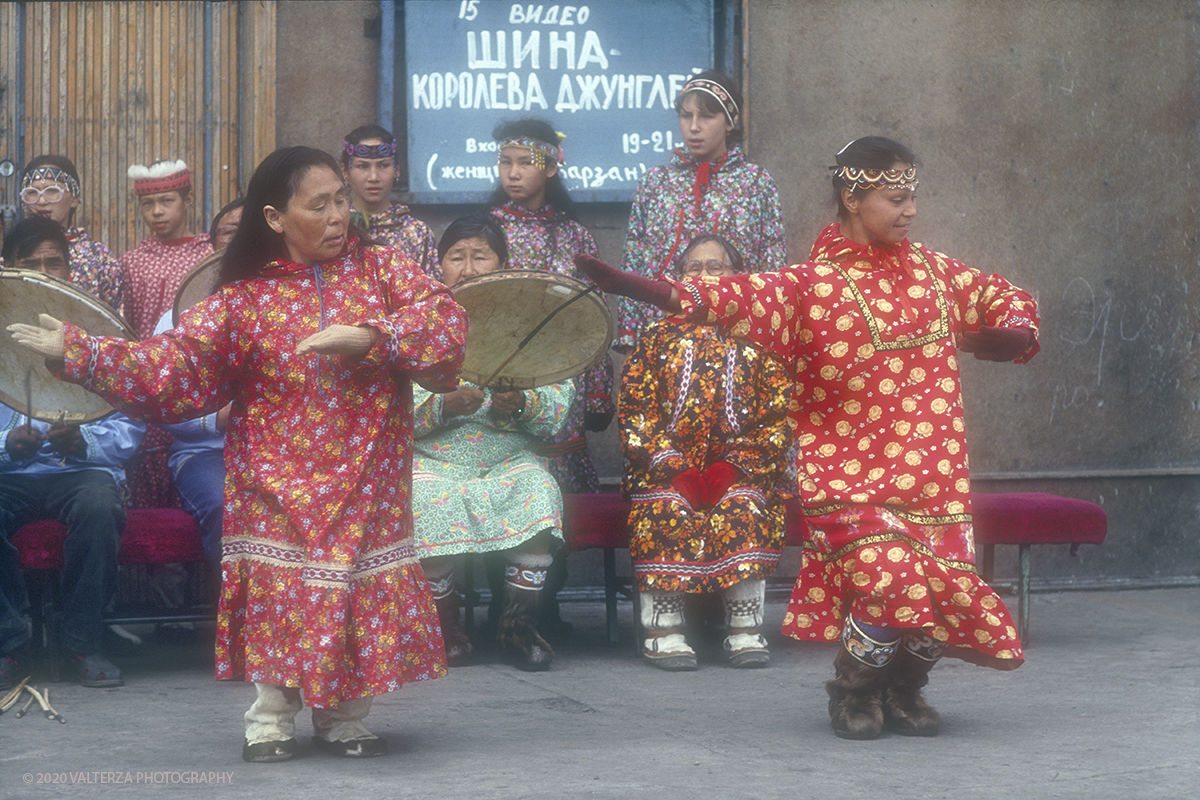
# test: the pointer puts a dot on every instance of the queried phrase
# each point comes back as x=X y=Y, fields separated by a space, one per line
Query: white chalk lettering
x=475 y=61
x=530 y=14
x=523 y=49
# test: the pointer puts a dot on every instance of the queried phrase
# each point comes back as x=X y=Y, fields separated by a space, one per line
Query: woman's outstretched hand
x=627 y=284
x=996 y=344
x=340 y=340
x=45 y=338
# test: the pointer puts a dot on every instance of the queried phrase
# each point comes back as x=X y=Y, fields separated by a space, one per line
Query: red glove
x=690 y=484
x=996 y=344
x=717 y=480
x=626 y=284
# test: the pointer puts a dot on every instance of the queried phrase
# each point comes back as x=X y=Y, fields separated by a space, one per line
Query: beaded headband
x=716 y=90
x=165 y=176
x=878 y=178
x=354 y=150
x=542 y=153
x=49 y=173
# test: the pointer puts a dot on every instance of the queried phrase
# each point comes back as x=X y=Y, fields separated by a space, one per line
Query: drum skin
x=23 y=296
x=504 y=308
x=198 y=284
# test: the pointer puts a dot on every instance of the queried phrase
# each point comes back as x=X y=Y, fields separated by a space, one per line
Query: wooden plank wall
x=117 y=83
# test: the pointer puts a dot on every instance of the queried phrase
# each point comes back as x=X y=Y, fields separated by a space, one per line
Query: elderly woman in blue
x=477 y=485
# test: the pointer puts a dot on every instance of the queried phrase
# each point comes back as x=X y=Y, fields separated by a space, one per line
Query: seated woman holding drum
x=477 y=486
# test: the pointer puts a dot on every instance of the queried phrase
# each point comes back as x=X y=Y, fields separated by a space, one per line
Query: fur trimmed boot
x=856 y=692
x=446 y=600
x=662 y=623
x=516 y=631
x=744 y=643
x=904 y=709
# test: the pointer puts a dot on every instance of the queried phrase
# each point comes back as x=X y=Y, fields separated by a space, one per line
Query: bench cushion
x=1036 y=518
x=151 y=536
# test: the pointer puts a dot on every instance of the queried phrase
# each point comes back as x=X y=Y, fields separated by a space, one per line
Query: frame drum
x=24 y=295
x=529 y=328
x=199 y=283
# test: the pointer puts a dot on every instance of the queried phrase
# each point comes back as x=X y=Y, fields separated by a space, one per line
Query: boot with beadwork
x=516 y=630
x=856 y=692
x=745 y=644
x=662 y=624
x=904 y=709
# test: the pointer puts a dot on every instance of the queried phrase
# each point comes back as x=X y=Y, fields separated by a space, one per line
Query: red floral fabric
x=877 y=405
x=321 y=586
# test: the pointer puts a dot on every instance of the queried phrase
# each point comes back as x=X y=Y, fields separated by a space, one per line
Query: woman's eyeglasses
x=31 y=194
x=696 y=268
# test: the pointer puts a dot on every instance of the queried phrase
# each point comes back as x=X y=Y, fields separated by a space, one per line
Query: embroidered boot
x=856 y=692
x=744 y=643
x=446 y=600
x=516 y=631
x=662 y=623
x=904 y=709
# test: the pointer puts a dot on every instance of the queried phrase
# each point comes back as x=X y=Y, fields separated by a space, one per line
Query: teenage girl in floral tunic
x=316 y=340
x=369 y=167
x=873 y=325
x=709 y=187
x=50 y=188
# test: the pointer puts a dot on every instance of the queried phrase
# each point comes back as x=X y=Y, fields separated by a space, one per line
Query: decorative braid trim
x=442 y=588
x=530 y=579
x=865 y=649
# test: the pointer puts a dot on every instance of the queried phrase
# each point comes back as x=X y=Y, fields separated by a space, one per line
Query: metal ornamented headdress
x=49 y=173
x=716 y=90
x=542 y=153
x=385 y=150
x=878 y=178
x=165 y=176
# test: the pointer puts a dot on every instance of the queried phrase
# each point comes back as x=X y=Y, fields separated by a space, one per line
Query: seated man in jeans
x=72 y=473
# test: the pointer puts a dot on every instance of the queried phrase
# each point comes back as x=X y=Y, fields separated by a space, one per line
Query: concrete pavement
x=1106 y=706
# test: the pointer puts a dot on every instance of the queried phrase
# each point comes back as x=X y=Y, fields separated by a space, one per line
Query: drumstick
x=535 y=331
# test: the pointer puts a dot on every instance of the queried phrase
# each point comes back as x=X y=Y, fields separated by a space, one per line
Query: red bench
x=151 y=536
x=1023 y=519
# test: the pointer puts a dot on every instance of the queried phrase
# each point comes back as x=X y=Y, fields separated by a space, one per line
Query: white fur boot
x=743 y=619
x=662 y=622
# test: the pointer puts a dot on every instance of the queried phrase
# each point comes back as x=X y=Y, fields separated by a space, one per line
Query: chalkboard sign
x=606 y=74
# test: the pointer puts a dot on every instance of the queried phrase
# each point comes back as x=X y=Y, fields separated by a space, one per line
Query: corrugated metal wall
x=117 y=83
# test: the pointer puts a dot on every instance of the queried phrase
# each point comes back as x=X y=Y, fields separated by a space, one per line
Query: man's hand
x=22 y=443
x=462 y=402
x=68 y=440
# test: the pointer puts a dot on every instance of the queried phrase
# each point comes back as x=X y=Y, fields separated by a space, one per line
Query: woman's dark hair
x=869 y=152
x=273 y=184
x=232 y=205
x=556 y=191
x=58 y=162
x=28 y=234
x=735 y=256
x=481 y=225
x=713 y=105
x=364 y=132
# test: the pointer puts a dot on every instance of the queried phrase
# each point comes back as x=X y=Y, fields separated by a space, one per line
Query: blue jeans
x=201 y=484
x=89 y=503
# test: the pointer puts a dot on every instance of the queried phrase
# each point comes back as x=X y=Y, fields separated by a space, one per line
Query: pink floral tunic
x=871 y=334
x=321 y=587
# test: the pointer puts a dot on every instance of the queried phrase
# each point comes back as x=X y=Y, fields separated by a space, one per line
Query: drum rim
x=549 y=277
x=192 y=274
x=32 y=276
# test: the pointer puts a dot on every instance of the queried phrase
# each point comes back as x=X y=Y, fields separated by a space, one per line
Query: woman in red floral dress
x=315 y=337
x=872 y=325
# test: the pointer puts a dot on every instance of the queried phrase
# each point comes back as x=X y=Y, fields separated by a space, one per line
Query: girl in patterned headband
x=370 y=169
x=50 y=188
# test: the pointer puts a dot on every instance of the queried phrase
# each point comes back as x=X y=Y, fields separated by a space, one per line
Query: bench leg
x=1023 y=595
x=610 y=592
x=468 y=594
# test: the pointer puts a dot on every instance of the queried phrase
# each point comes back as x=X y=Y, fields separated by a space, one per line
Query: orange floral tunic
x=321 y=588
x=870 y=332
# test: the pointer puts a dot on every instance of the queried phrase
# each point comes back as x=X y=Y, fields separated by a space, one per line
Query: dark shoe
x=355 y=748
x=266 y=752
x=678 y=662
x=517 y=634
x=747 y=650
x=10 y=668
x=96 y=671
x=904 y=709
x=458 y=645
x=856 y=698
